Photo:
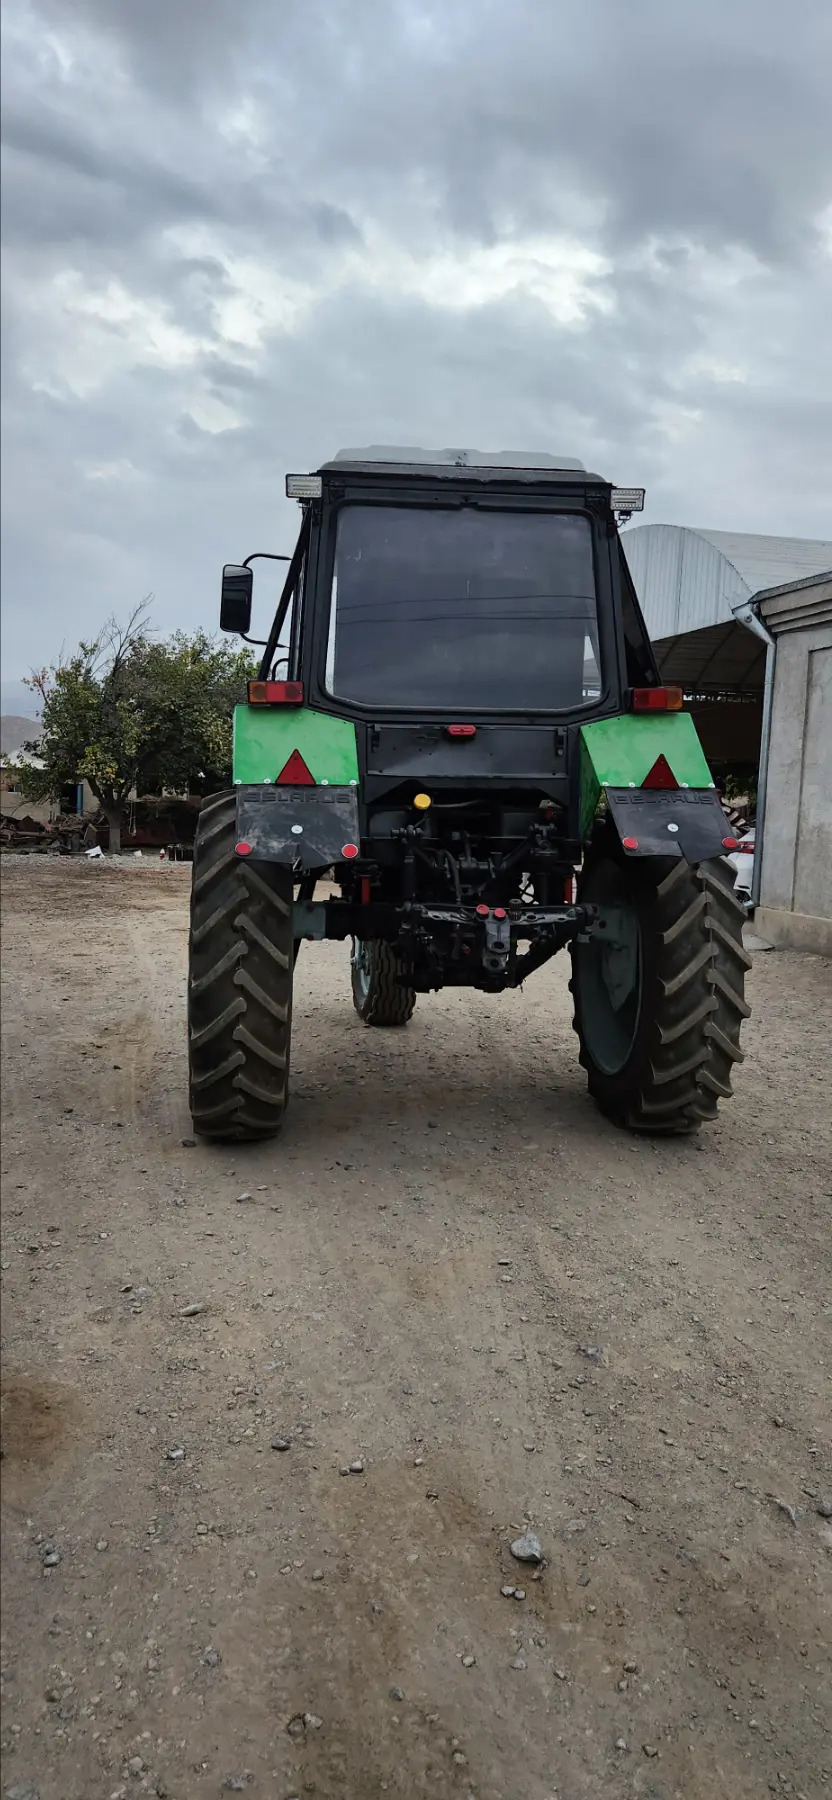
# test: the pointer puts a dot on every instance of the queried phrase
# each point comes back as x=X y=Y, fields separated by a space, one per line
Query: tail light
x=275 y=693
x=461 y=731
x=657 y=699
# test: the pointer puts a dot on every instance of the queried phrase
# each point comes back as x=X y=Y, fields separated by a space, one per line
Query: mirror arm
x=292 y=573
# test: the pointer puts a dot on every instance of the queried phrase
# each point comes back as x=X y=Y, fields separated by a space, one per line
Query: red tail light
x=461 y=730
x=275 y=693
x=657 y=699
x=661 y=775
x=295 y=773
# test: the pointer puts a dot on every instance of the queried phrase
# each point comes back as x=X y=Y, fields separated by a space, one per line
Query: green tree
x=129 y=711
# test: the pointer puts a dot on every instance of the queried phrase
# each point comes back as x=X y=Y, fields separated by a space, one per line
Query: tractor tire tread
x=239 y=984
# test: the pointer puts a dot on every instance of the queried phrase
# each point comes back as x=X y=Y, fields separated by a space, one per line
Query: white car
x=741 y=861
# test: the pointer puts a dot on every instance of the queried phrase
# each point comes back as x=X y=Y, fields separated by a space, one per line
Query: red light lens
x=484 y=912
x=243 y=849
x=275 y=693
x=349 y=851
x=500 y=912
x=630 y=843
x=657 y=699
x=461 y=730
x=730 y=843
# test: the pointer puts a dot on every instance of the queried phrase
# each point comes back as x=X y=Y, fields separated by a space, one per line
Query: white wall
x=796 y=874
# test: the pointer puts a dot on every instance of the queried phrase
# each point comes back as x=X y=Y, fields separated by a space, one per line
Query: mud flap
x=672 y=822
x=303 y=827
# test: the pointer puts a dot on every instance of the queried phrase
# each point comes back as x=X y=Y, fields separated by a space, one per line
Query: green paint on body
x=620 y=752
x=265 y=736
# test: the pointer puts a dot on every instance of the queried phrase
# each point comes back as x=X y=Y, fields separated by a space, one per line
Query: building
x=744 y=625
x=794 y=846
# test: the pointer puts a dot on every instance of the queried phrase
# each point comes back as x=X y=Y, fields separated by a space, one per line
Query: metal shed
x=690 y=584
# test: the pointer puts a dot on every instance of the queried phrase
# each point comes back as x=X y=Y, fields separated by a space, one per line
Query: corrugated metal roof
x=689 y=580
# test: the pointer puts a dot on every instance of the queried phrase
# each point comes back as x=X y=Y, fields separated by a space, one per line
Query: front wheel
x=660 y=1003
x=380 y=993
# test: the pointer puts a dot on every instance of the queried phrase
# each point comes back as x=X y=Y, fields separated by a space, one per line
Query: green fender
x=620 y=752
x=265 y=736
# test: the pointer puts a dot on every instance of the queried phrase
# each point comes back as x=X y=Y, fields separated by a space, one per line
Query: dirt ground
x=451 y=1271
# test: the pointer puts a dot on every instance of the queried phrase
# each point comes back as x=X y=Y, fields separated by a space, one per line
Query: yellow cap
x=422 y=802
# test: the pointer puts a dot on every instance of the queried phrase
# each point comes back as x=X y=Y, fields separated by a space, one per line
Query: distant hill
x=15 y=731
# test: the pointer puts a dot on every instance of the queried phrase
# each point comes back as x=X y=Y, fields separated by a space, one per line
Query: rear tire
x=241 y=956
x=659 y=1019
x=378 y=993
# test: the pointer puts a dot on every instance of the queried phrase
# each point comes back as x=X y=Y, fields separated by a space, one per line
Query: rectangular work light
x=628 y=500
x=303 y=487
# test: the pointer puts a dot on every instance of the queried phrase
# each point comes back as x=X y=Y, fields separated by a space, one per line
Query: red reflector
x=366 y=890
x=657 y=699
x=499 y=912
x=484 y=912
x=349 y=850
x=461 y=730
x=295 y=773
x=275 y=693
x=730 y=843
x=661 y=775
x=243 y=849
x=630 y=843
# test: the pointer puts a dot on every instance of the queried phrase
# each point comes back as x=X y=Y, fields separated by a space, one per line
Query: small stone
x=211 y=1657
x=241 y=1198
x=281 y=1443
x=312 y=1721
x=561 y=1674
x=519 y=1593
x=396 y=1693
x=468 y=1662
x=103 y=1544
x=504 y=1262
x=356 y=1467
x=621 y=1743
x=296 y=1727
x=51 y=1558
x=193 y=1310
x=527 y=1548
x=825 y=1509
x=317 y=1574
x=189 y=1143
x=517 y=1662
x=529 y=1447
x=136 y=1765
x=234 y=1784
x=175 y=1453
x=508 y=1593
x=460 y=1759
x=650 y=1749
x=778 y=1420
x=202 y=1531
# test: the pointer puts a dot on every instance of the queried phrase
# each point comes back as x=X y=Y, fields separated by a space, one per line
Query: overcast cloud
x=240 y=233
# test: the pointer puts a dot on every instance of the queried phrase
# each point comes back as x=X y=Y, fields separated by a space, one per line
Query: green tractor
x=458 y=721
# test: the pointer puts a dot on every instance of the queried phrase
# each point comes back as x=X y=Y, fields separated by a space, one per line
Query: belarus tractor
x=459 y=756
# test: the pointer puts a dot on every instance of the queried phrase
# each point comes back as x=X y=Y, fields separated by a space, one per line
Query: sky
x=239 y=234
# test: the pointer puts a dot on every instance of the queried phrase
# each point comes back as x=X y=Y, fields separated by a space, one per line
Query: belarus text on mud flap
x=673 y=822
x=304 y=827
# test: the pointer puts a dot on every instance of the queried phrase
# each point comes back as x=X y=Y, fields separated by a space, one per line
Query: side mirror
x=235 y=600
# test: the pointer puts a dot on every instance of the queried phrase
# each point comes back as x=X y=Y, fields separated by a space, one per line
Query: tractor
x=459 y=756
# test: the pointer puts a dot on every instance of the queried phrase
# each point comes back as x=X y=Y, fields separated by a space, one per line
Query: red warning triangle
x=661 y=775
x=296 y=774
